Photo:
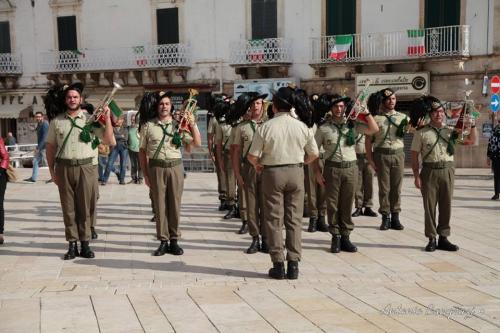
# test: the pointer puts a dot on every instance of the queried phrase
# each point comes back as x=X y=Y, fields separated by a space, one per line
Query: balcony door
x=264 y=19
x=67 y=41
x=444 y=17
x=4 y=37
x=340 y=20
x=167 y=29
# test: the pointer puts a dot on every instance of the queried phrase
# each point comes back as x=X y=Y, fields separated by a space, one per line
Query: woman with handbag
x=4 y=164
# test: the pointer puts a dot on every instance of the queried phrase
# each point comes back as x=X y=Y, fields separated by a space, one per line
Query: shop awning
x=10 y=111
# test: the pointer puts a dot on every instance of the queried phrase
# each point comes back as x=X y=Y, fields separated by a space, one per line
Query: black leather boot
x=369 y=212
x=94 y=234
x=395 y=223
x=237 y=212
x=232 y=213
x=153 y=219
x=222 y=206
x=162 y=249
x=346 y=245
x=445 y=245
x=357 y=212
x=335 y=248
x=278 y=271
x=244 y=228
x=86 y=252
x=292 y=270
x=322 y=226
x=313 y=223
x=72 y=251
x=386 y=222
x=431 y=246
x=255 y=246
x=174 y=248
x=495 y=197
x=264 y=248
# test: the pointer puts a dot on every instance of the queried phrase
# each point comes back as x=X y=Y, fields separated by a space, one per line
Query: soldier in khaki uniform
x=250 y=105
x=385 y=153
x=72 y=158
x=363 y=200
x=241 y=207
x=222 y=145
x=278 y=150
x=221 y=178
x=340 y=174
x=160 y=158
x=435 y=144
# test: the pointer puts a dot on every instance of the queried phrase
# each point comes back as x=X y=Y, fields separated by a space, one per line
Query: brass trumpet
x=359 y=104
x=189 y=110
x=98 y=115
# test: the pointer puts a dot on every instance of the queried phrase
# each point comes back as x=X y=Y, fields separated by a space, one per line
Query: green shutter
x=264 y=19
x=167 y=25
x=340 y=17
x=441 y=13
x=66 y=33
x=5 y=37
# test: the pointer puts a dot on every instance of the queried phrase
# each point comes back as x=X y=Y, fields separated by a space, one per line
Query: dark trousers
x=135 y=169
x=3 y=186
x=495 y=165
x=119 y=150
x=101 y=167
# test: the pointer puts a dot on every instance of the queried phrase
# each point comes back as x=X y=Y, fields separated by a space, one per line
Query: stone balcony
x=261 y=56
x=11 y=68
x=135 y=65
x=412 y=45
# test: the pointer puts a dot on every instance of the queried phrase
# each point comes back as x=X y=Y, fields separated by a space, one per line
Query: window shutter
x=66 y=33
x=4 y=37
x=340 y=17
x=167 y=23
x=264 y=19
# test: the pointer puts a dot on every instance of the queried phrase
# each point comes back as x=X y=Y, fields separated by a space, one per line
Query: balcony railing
x=261 y=51
x=10 y=64
x=128 y=58
x=450 y=41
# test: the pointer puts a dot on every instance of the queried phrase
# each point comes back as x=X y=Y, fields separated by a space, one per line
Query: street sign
x=495 y=84
x=494 y=103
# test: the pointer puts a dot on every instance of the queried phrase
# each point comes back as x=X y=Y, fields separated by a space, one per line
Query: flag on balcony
x=340 y=47
x=416 y=42
x=78 y=52
x=139 y=54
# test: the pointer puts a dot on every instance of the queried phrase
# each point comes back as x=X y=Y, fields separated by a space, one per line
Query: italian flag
x=115 y=109
x=416 y=42
x=341 y=45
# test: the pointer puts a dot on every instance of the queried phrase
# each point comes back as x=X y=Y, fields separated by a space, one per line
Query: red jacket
x=4 y=156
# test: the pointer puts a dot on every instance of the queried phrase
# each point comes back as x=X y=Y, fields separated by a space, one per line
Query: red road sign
x=495 y=84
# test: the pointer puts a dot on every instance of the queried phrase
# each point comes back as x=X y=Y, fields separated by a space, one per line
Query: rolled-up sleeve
x=311 y=148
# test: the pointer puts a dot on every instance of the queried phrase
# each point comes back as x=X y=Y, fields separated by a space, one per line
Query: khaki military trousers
x=253 y=192
x=78 y=194
x=315 y=193
x=390 y=171
x=167 y=185
x=341 y=185
x=437 y=189
x=283 y=191
x=221 y=180
x=242 y=201
x=230 y=179
x=364 y=190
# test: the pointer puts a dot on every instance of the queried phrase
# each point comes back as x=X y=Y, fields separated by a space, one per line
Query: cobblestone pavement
x=390 y=285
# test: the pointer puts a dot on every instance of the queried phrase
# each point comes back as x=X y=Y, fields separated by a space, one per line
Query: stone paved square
x=390 y=285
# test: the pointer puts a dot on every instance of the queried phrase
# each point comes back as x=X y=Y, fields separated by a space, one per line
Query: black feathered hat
x=77 y=86
x=421 y=107
x=336 y=98
x=54 y=101
x=147 y=107
x=221 y=109
x=284 y=98
x=386 y=93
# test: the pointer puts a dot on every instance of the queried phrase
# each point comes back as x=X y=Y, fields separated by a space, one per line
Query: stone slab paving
x=390 y=285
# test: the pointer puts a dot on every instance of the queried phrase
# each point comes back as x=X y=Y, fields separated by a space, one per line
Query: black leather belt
x=388 y=151
x=297 y=165
x=164 y=163
x=74 y=162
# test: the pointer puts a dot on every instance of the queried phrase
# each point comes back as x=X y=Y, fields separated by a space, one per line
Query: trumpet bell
x=117 y=85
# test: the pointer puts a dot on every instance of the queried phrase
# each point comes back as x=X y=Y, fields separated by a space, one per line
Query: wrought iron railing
x=260 y=51
x=135 y=57
x=379 y=46
x=10 y=63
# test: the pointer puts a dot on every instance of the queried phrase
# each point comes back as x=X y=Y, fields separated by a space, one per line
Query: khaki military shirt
x=212 y=125
x=424 y=140
x=152 y=134
x=386 y=136
x=222 y=134
x=327 y=136
x=360 y=144
x=283 y=140
x=243 y=135
x=60 y=127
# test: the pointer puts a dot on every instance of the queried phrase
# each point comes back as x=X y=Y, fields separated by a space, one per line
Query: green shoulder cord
x=358 y=139
x=160 y=146
x=84 y=136
x=252 y=124
x=400 y=131
x=337 y=145
x=451 y=144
